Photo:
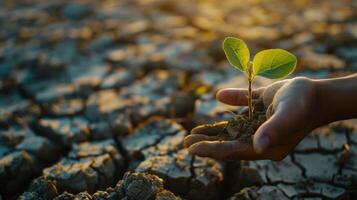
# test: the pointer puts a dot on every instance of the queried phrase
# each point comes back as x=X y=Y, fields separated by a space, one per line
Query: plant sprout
x=270 y=63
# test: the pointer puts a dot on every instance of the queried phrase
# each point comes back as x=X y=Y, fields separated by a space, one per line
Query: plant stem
x=250 y=96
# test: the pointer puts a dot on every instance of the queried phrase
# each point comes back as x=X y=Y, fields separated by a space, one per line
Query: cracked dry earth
x=97 y=96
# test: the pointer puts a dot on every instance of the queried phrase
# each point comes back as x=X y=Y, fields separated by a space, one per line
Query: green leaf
x=274 y=63
x=237 y=53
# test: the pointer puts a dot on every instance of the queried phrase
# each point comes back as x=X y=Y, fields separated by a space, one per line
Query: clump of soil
x=240 y=127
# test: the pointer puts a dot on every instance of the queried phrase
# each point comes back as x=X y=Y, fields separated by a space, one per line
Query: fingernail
x=262 y=143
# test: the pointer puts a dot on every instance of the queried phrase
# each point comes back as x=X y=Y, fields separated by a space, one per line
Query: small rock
x=139 y=186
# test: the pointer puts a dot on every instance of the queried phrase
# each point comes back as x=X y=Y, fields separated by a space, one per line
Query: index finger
x=236 y=96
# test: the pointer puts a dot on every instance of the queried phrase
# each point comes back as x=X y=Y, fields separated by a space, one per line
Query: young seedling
x=270 y=63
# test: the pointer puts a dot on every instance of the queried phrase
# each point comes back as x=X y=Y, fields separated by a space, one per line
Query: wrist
x=322 y=115
x=335 y=99
x=316 y=110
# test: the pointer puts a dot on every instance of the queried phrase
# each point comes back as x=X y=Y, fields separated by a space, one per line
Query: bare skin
x=295 y=107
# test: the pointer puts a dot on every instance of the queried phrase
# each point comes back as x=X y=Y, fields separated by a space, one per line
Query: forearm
x=336 y=99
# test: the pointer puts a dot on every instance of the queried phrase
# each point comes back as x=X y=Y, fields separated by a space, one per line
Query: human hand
x=291 y=115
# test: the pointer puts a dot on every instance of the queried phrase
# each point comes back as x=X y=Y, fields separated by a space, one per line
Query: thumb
x=277 y=130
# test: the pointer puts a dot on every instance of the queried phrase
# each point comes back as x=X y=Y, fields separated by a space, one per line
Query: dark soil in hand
x=240 y=127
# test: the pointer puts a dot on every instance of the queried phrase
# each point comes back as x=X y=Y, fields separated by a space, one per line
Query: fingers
x=205 y=146
x=236 y=96
x=224 y=150
x=209 y=129
x=192 y=139
x=204 y=142
x=210 y=146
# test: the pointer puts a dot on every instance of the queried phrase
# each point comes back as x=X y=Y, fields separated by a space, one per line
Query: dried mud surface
x=97 y=96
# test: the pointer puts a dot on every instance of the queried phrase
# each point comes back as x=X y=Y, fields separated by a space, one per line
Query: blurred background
x=50 y=49
x=85 y=70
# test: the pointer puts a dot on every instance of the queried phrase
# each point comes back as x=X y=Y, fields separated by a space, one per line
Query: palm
x=290 y=118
